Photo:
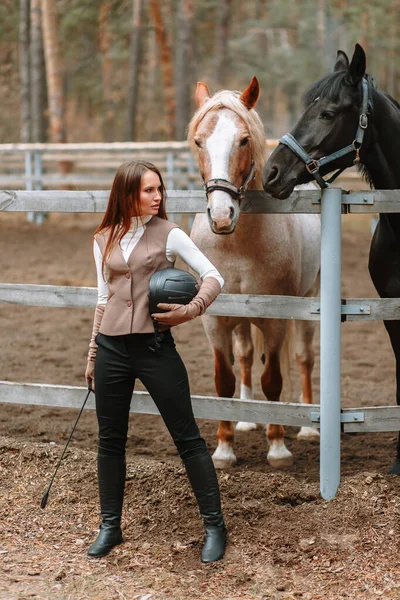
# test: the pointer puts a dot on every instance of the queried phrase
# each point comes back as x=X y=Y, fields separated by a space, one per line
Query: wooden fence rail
x=92 y=165
x=233 y=305
x=353 y=420
x=193 y=201
x=65 y=149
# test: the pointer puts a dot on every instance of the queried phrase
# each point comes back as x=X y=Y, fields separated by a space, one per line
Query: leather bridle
x=237 y=193
x=313 y=165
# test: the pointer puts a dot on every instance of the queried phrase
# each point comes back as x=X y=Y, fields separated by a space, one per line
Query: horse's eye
x=244 y=141
x=197 y=143
x=327 y=115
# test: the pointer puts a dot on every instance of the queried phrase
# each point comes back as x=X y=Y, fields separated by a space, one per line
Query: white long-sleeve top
x=178 y=245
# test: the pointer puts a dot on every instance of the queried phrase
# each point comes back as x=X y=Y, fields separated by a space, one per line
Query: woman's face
x=150 y=194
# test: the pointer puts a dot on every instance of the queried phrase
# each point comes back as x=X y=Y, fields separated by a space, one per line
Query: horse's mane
x=392 y=100
x=230 y=100
x=328 y=86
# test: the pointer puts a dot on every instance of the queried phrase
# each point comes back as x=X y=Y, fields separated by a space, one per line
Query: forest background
x=115 y=70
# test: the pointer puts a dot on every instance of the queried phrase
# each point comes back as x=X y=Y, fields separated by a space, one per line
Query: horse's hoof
x=395 y=468
x=309 y=434
x=223 y=463
x=223 y=456
x=279 y=457
x=243 y=426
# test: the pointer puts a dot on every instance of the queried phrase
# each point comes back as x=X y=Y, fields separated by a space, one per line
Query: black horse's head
x=329 y=123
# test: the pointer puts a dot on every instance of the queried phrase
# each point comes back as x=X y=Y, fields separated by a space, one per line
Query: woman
x=135 y=240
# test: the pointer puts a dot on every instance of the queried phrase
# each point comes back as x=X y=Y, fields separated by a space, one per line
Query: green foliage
x=78 y=37
x=9 y=10
x=286 y=43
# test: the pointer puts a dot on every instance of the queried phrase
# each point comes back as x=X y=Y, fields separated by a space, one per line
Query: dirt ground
x=285 y=542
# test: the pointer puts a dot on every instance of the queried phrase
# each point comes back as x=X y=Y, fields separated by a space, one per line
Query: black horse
x=346 y=120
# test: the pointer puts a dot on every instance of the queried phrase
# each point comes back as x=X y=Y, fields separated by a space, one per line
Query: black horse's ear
x=342 y=62
x=356 y=70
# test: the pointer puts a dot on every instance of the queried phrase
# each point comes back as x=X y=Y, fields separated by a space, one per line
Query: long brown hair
x=124 y=201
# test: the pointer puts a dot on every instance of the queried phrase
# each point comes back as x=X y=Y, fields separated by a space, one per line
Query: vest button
x=128 y=275
x=129 y=303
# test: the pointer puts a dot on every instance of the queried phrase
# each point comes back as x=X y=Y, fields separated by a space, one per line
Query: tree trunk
x=133 y=79
x=392 y=58
x=147 y=127
x=364 y=35
x=166 y=66
x=221 y=42
x=24 y=66
x=53 y=71
x=183 y=67
x=106 y=70
x=320 y=33
x=37 y=76
x=261 y=10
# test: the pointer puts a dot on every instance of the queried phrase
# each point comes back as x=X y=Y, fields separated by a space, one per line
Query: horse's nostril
x=273 y=175
x=210 y=218
x=231 y=212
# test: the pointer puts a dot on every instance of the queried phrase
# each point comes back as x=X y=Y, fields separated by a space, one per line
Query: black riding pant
x=120 y=360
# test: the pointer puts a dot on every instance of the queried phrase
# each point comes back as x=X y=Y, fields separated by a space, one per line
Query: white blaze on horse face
x=219 y=146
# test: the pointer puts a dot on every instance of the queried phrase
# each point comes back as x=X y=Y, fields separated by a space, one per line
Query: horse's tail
x=286 y=353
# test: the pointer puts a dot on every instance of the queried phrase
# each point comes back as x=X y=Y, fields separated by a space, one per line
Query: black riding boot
x=111 y=477
x=204 y=482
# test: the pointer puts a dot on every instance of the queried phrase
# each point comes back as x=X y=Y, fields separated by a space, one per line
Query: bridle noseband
x=313 y=165
x=227 y=186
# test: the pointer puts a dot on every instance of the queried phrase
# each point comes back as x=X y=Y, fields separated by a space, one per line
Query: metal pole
x=38 y=170
x=331 y=251
x=38 y=183
x=28 y=180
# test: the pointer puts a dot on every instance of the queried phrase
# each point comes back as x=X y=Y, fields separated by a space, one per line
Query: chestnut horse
x=263 y=254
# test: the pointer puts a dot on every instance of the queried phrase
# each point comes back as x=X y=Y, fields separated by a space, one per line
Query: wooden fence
x=365 y=419
x=330 y=309
x=93 y=165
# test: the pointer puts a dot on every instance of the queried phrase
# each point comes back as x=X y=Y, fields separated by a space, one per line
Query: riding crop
x=46 y=495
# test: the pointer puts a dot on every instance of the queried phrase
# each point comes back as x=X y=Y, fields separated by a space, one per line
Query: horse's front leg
x=305 y=361
x=219 y=333
x=271 y=382
x=393 y=329
x=244 y=352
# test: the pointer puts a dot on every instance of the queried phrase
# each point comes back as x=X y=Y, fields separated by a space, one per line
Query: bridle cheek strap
x=313 y=165
x=226 y=186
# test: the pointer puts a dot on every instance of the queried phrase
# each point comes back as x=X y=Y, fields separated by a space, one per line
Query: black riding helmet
x=171 y=286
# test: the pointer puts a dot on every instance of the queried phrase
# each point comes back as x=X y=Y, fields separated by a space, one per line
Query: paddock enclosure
x=93 y=165
x=285 y=541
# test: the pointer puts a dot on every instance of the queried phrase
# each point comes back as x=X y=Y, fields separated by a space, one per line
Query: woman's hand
x=177 y=314
x=89 y=374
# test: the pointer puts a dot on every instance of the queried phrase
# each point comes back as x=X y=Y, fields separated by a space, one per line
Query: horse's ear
x=202 y=93
x=342 y=61
x=250 y=95
x=356 y=69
